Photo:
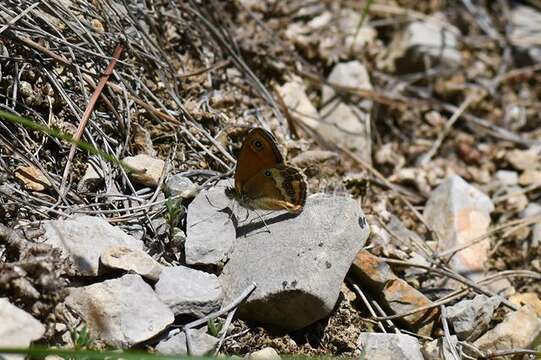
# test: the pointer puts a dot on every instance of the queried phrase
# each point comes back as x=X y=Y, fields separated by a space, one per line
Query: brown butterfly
x=263 y=180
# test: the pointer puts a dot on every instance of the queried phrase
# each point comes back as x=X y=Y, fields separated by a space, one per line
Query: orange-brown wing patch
x=277 y=188
x=258 y=152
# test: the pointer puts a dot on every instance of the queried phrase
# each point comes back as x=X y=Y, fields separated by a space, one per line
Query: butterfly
x=263 y=180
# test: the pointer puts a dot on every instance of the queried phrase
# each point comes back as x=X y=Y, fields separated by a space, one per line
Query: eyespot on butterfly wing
x=263 y=180
x=258 y=151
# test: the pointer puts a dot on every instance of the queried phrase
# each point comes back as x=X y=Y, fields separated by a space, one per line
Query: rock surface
x=17 y=328
x=534 y=209
x=343 y=37
x=530 y=177
x=506 y=177
x=90 y=180
x=201 y=344
x=524 y=159
x=377 y=346
x=347 y=124
x=189 y=292
x=434 y=38
x=439 y=348
x=123 y=312
x=526 y=31
x=148 y=169
x=370 y=271
x=210 y=233
x=294 y=95
x=314 y=158
x=178 y=185
x=528 y=298
x=401 y=297
x=460 y=213
x=299 y=266
x=85 y=238
x=267 y=353
x=470 y=318
x=518 y=330
x=32 y=178
x=125 y=258
x=337 y=122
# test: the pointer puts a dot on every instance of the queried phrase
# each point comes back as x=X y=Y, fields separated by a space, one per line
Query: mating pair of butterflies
x=263 y=180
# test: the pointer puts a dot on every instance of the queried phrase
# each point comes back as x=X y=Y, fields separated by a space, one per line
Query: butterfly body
x=263 y=180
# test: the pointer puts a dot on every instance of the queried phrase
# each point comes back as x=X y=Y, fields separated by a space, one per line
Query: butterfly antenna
x=231 y=201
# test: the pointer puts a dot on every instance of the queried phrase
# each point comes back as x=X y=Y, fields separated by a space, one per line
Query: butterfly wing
x=258 y=152
x=280 y=187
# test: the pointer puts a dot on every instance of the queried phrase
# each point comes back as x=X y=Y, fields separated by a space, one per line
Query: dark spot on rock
x=328 y=265
x=320 y=244
x=362 y=222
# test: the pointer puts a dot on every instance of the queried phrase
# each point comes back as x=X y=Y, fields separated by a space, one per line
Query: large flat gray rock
x=85 y=238
x=123 y=312
x=299 y=266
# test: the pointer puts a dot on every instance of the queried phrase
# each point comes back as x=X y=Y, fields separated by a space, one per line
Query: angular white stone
x=439 y=348
x=470 y=318
x=148 y=169
x=126 y=258
x=178 y=185
x=201 y=344
x=377 y=346
x=533 y=209
x=17 y=328
x=526 y=30
x=434 y=39
x=267 y=353
x=123 y=312
x=518 y=330
x=343 y=123
x=85 y=238
x=294 y=95
x=460 y=213
x=189 y=292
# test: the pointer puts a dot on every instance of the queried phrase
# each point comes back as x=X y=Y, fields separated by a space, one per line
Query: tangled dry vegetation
x=192 y=77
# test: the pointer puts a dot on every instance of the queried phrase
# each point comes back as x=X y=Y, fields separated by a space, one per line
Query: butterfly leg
x=262 y=220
